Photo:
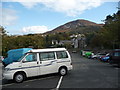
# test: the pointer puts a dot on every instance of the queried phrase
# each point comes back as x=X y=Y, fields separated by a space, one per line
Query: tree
x=112 y=32
x=2 y=34
x=109 y=35
x=25 y=41
x=2 y=30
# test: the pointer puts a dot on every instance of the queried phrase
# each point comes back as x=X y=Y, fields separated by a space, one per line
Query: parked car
x=83 y=52
x=88 y=54
x=105 y=58
x=74 y=51
x=97 y=56
x=94 y=56
x=101 y=55
x=115 y=57
x=39 y=62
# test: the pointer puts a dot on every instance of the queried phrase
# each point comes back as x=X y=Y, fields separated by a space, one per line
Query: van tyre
x=63 y=71
x=19 y=77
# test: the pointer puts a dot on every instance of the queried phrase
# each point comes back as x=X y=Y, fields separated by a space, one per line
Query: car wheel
x=109 y=61
x=63 y=71
x=19 y=77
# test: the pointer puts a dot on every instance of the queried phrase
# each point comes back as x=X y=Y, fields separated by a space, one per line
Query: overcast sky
x=39 y=16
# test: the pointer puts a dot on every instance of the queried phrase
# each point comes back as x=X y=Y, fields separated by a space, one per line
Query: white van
x=39 y=62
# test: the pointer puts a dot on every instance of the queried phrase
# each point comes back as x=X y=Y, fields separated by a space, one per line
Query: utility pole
x=118 y=6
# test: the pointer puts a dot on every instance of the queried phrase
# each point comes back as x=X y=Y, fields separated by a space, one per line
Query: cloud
x=34 y=29
x=8 y=17
x=29 y=5
x=68 y=7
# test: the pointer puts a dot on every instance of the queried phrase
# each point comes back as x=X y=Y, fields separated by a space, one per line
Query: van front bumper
x=8 y=75
x=70 y=67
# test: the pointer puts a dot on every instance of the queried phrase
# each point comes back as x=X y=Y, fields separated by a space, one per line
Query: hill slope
x=77 y=26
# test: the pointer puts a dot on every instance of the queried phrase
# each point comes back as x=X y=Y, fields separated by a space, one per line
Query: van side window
x=31 y=57
x=61 y=54
x=47 y=56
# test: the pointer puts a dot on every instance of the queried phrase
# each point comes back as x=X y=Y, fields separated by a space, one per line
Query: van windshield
x=21 y=57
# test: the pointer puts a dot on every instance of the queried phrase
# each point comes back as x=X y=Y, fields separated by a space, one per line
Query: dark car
x=115 y=57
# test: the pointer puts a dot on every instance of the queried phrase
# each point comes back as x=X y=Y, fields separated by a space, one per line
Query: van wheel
x=63 y=71
x=19 y=77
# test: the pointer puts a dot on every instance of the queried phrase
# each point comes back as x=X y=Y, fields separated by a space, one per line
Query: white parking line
x=59 y=83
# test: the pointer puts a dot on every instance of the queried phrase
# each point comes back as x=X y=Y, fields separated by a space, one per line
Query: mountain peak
x=82 y=22
x=78 y=26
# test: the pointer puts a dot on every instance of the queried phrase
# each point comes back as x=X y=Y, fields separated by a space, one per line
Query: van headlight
x=7 y=69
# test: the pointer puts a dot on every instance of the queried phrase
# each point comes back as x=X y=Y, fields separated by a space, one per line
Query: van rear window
x=61 y=54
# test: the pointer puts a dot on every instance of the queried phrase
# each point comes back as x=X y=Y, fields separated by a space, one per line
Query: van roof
x=48 y=50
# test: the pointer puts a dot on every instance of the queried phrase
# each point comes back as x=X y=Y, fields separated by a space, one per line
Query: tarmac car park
x=86 y=73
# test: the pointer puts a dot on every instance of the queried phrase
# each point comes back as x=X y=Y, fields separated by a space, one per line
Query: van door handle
x=40 y=62
x=37 y=62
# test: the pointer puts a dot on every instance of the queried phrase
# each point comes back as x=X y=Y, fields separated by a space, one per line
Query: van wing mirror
x=23 y=61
